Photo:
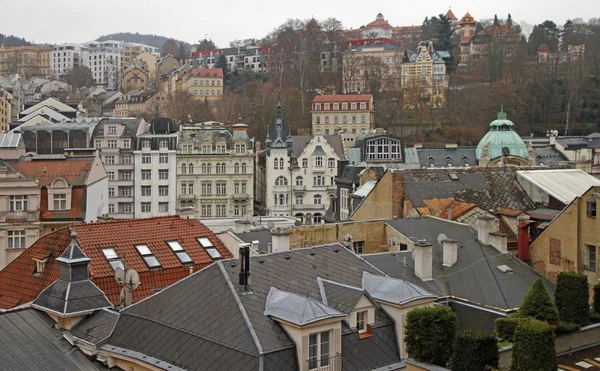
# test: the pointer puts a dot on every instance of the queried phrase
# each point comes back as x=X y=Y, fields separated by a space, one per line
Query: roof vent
x=505 y=269
x=453 y=176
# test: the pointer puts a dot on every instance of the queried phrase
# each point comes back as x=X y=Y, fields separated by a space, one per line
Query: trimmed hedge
x=429 y=334
x=572 y=298
x=533 y=348
x=474 y=351
x=538 y=304
x=597 y=298
x=505 y=328
x=566 y=327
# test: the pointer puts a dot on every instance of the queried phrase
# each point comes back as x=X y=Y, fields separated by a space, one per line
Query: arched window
x=183 y=169
x=363 y=119
x=281 y=181
x=299 y=181
x=327 y=119
x=282 y=199
x=335 y=119
x=243 y=168
x=354 y=119
x=281 y=163
x=191 y=169
x=276 y=163
x=299 y=199
x=317 y=218
x=236 y=168
x=305 y=163
x=218 y=168
x=331 y=162
x=208 y=168
x=318 y=119
x=300 y=216
x=203 y=168
x=223 y=168
x=317 y=199
x=345 y=119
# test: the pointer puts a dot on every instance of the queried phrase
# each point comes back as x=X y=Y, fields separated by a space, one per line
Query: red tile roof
x=18 y=286
x=379 y=22
x=343 y=98
x=74 y=172
x=207 y=72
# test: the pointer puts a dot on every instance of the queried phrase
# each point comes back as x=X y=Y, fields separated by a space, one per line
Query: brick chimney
x=423 y=258
x=485 y=225
x=449 y=252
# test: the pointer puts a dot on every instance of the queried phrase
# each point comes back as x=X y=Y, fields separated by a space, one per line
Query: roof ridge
x=241 y=308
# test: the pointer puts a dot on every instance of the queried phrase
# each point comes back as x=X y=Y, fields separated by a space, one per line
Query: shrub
x=572 y=298
x=505 y=328
x=597 y=298
x=565 y=327
x=474 y=351
x=533 y=348
x=594 y=317
x=538 y=304
x=429 y=334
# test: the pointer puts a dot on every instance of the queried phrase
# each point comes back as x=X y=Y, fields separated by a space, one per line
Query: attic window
x=180 y=252
x=147 y=255
x=210 y=248
x=40 y=264
x=505 y=269
x=113 y=258
x=453 y=176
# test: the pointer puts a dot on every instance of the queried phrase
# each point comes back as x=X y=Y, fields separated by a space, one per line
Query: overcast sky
x=60 y=21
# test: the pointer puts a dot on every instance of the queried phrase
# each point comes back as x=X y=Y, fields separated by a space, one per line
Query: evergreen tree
x=496 y=21
x=444 y=34
x=509 y=21
x=544 y=33
x=538 y=304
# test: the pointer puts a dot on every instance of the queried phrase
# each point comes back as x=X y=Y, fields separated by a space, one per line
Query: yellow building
x=571 y=241
x=424 y=79
x=5 y=109
x=150 y=61
x=204 y=83
x=372 y=68
x=137 y=103
x=25 y=60
x=135 y=76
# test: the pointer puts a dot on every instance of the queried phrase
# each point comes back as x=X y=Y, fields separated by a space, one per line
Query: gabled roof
x=46 y=112
x=297 y=309
x=207 y=72
x=562 y=184
x=299 y=143
x=19 y=286
x=342 y=298
x=393 y=290
x=31 y=342
x=50 y=102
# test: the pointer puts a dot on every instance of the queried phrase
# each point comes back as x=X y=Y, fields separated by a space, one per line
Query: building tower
x=278 y=147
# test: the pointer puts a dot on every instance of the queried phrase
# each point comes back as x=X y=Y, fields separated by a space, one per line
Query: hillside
x=152 y=40
x=10 y=40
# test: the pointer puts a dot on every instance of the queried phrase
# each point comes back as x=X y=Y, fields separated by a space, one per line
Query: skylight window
x=210 y=248
x=180 y=252
x=113 y=258
x=147 y=255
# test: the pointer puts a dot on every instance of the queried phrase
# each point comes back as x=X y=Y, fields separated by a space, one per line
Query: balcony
x=318 y=169
x=299 y=188
x=20 y=216
x=240 y=196
x=309 y=207
x=187 y=197
x=280 y=208
x=333 y=363
x=281 y=188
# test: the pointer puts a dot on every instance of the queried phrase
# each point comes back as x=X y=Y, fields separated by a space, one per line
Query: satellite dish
x=441 y=238
x=270 y=224
x=120 y=275
x=132 y=278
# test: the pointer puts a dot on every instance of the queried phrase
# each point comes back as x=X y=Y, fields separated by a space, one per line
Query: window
x=146 y=174
x=111 y=192
x=112 y=143
x=317 y=107
x=163 y=143
x=276 y=164
x=361 y=321
x=183 y=169
x=281 y=164
x=163 y=207
x=125 y=191
x=191 y=169
x=60 y=202
x=590 y=258
x=145 y=143
x=146 y=191
x=363 y=106
x=109 y=160
x=187 y=148
x=206 y=188
x=243 y=168
x=317 y=218
x=319 y=180
x=146 y=159
x=126 y=159
x=126 y=143
x=113 y=258
x=359 y=247
x=112 y=130
x=319 y=161
x=18 y=203
x=221 y=210
x=98 y=143
x=318 y=120
x=221 y=188
x=206 y=210
x=221 y=169
x=299 y=199
x=111 y=208
x=240 y=148
x=319 y=350
x=331 y=162
x=317 y=199
x=591 y=209
x=125 y=208
x=163 y=190
x=179 y=251
x=304 y=163
x=163 y=174
x=146 y=207
x=299 y=181
x=147 y=255
x=163 y=159
x=16 y=239
x=281 y=181
x=210 y=248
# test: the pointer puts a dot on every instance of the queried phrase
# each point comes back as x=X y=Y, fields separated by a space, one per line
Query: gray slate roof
x=29 y=341
x=207 y=319
x=393 y=290
x=96 y=327
x=474 y=277
x=297 y=309
x=340 y=297
x=263 y=237
x=442 y=156
x=299 y=142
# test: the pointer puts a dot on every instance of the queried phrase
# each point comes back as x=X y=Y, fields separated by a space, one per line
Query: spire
x=278 y=135
x=502 y=114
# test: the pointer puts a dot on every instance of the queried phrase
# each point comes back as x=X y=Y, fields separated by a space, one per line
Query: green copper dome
x=502 y=139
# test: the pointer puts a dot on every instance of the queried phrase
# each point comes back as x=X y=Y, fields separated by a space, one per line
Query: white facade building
x=68 y=56
x=300 y=173
x=215 y=170
x=155 y=160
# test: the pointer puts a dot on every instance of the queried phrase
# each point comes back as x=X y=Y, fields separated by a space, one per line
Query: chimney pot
x=450 y=252
x=423 y=257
